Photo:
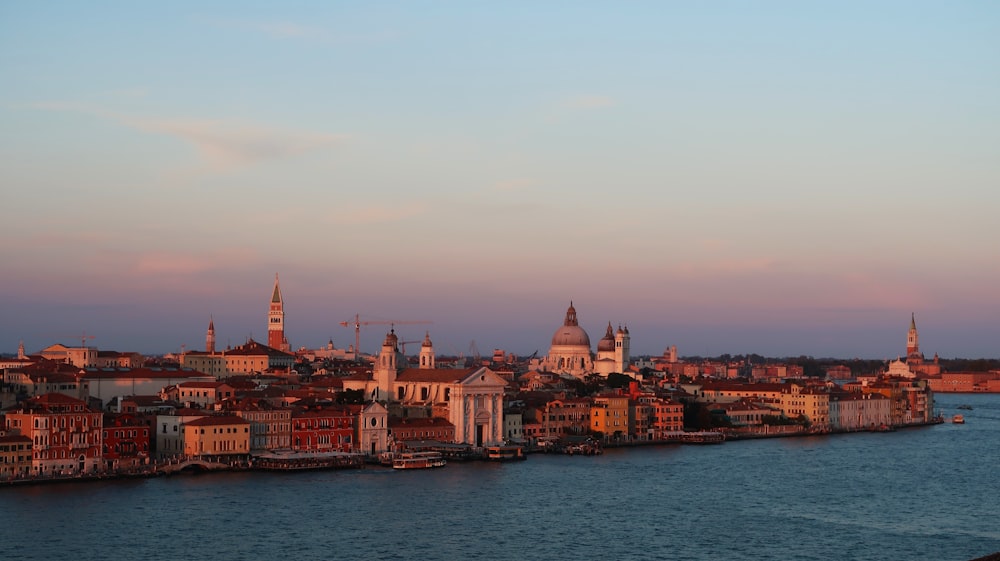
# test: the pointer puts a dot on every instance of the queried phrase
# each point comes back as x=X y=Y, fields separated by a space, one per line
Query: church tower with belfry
x=623 y=343
x=210 y=337
x=427 y=352
x=913 y=340
x=276 y=320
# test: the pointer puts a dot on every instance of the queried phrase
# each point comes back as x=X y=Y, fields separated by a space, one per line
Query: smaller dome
x=427 y=340
x=607 y=343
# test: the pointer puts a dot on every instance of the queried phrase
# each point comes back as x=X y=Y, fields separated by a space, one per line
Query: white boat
x=418 y=460
x=958 y=419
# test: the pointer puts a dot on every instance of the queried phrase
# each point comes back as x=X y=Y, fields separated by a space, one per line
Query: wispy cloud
x=725 y=267
x=378 y=214
x=221 y=145
x=224 y=145
x=174 y=264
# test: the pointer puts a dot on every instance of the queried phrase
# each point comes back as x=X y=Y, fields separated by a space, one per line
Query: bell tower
x=210 y=337
x=623 y=342
x=276 y=320
x=387 y=366
x=912 y=339
x=427 y=352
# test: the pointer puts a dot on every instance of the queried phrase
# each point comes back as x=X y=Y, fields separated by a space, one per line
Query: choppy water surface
x=929 y=493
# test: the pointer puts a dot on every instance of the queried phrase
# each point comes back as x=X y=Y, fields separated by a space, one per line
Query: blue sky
x=779 y=177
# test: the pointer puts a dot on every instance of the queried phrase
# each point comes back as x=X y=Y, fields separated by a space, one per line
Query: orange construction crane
x=356 y=323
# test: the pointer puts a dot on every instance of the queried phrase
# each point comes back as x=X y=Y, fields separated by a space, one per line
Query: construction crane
x=356 y=323
x=403 y=344
x=83 y=338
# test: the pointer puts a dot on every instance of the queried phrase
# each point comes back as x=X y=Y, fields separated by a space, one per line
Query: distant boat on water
x=965 y=407
x=418 y=460
x=958 y=420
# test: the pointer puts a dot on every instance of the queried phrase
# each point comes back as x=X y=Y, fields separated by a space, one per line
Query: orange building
x=65 y=434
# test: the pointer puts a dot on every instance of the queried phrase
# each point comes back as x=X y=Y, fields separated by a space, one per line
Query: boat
x=958 y=420
x=504 y=453
x=418 y=460
x=965 y=407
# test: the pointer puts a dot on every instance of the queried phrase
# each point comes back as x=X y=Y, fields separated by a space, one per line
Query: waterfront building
x=126 y=441
x=323 y=429
x=270 y=426
x=667 y=417
x=744 y=412
x=851 y=411
x=427 y=428
x=965 y=382
x=66 y=435
x=15 y=455
x=372 y=428
x=893 y=390
x=513 y=425
x=609 y=415
x=170 y=431
x=810 y=403
x=221 y=437
x=567 y=416
x=717 y=391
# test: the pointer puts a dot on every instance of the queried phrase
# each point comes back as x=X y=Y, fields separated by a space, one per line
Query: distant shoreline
x=157 y=472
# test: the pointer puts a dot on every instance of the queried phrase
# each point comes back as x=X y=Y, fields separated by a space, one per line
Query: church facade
x=471 y=399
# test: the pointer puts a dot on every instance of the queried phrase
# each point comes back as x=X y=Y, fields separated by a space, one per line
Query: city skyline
x=784 y=179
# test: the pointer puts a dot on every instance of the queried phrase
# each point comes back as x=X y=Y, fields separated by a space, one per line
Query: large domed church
x=570 y=352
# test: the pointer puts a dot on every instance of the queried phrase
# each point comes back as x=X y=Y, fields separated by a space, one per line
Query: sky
x=783 y=178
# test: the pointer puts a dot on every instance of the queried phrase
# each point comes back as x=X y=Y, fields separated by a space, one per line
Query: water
x=928 y=493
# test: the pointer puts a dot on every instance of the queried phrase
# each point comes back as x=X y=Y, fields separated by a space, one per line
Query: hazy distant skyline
x=782 y=178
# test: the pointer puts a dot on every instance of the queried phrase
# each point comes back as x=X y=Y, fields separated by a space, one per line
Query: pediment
x=483 y=377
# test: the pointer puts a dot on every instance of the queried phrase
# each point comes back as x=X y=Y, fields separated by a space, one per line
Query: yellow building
x=225 y=435
x=812 y=403
x=15 y=456
x=609 y=415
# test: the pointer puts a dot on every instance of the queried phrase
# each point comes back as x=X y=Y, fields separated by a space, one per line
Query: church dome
x=571 y=334
x=607 y=343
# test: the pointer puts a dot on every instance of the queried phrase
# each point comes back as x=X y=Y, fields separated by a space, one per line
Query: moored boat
x=418 y=460
x=504 y=453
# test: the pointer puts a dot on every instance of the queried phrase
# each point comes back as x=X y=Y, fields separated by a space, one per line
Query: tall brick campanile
x=912 y=340
x=276 y=320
